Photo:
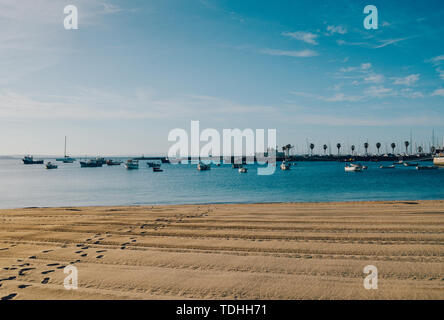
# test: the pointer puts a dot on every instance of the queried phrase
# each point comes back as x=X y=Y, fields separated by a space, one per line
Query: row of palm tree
x=366 y=146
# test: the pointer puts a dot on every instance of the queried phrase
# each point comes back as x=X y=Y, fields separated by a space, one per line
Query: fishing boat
x=157 y=169
x=66 y=159
x=236 y=165
x=285 y=165
x=112 y=162
x=51 y=165
x=438 y=160
x=399 y=162
x=353 y=168
x=30 y=160
x=203 y=167
x=410 y=164
x=427 y=167
x=243 y=170
x=387 y=167
x=92 y=163
x=132 y=164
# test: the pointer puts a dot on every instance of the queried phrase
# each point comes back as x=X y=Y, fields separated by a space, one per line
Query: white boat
x=353 y=168
x=132 y=164
x=439 y=160
x=51 y=165
x=285 y=165
x=66 y=159
x=387 y=167
x=203 y=167
x=243 y=170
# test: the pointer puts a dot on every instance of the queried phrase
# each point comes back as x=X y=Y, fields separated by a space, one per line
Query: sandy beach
x=249 y=251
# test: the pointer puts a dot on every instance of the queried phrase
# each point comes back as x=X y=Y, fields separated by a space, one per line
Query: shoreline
x=221 y=203
x=225 y=251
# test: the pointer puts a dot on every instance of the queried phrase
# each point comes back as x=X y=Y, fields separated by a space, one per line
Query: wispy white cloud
x=307 y=37
x=438 y=92
x=290 y=53
x=142 y=104
x=366 y=66
x=379 y=92
x=336 y=29
x=374 y=78
x=408 y=80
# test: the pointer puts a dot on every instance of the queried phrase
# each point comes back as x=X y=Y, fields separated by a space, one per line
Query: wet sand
x=229 y=251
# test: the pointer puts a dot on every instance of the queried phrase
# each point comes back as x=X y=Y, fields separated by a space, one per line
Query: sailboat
x=66 y=159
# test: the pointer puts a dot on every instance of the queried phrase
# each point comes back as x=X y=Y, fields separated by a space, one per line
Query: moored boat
x=203 y=167
x=438 y=160
x=132 y=164
x=285 y=165
x=153 y=164
x=410 y=164
x=92 y=163
x=243 y=170
x=427 y=167
x=387 y=167
x=353 y=168
x=30 y=160
x=66 y=159
x=51 y=165
x=112 y=162
x=157 y=169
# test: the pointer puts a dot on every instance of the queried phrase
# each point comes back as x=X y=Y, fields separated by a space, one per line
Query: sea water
x=69 y=185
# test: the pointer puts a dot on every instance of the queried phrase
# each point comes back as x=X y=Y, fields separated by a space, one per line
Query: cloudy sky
x=136 y=69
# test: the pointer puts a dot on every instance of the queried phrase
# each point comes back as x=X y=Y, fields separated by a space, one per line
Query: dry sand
x=252 y=251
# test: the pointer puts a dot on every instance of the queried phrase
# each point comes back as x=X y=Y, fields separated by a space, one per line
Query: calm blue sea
x=70 y=185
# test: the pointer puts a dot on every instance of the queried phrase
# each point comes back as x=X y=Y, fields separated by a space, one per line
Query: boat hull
x=438 y=161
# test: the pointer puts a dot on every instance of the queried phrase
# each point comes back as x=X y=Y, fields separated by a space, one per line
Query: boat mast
x=65 y=147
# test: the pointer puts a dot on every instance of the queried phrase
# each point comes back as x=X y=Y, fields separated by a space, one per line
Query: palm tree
x=378 y=145
x=406 y=143
x=325 y=149
x=366 y=148
x=339 y=147
x=393 y=145
x=311 y=148
x=353 y=149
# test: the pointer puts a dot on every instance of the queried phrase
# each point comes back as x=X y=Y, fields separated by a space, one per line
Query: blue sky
x=136 y=69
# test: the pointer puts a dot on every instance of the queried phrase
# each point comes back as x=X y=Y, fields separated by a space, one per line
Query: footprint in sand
x=61 y=267
x=46 y=251
x=45 y=281
x=52 y=264
x=99 y=257
x=100 y=251
x=80 y=251
x=22 y=271
x=8 y=279
x=84 y=255
x=23 y=286
x=47 y=271
x=84 y=248
x=32 y=257
x=9 y=297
